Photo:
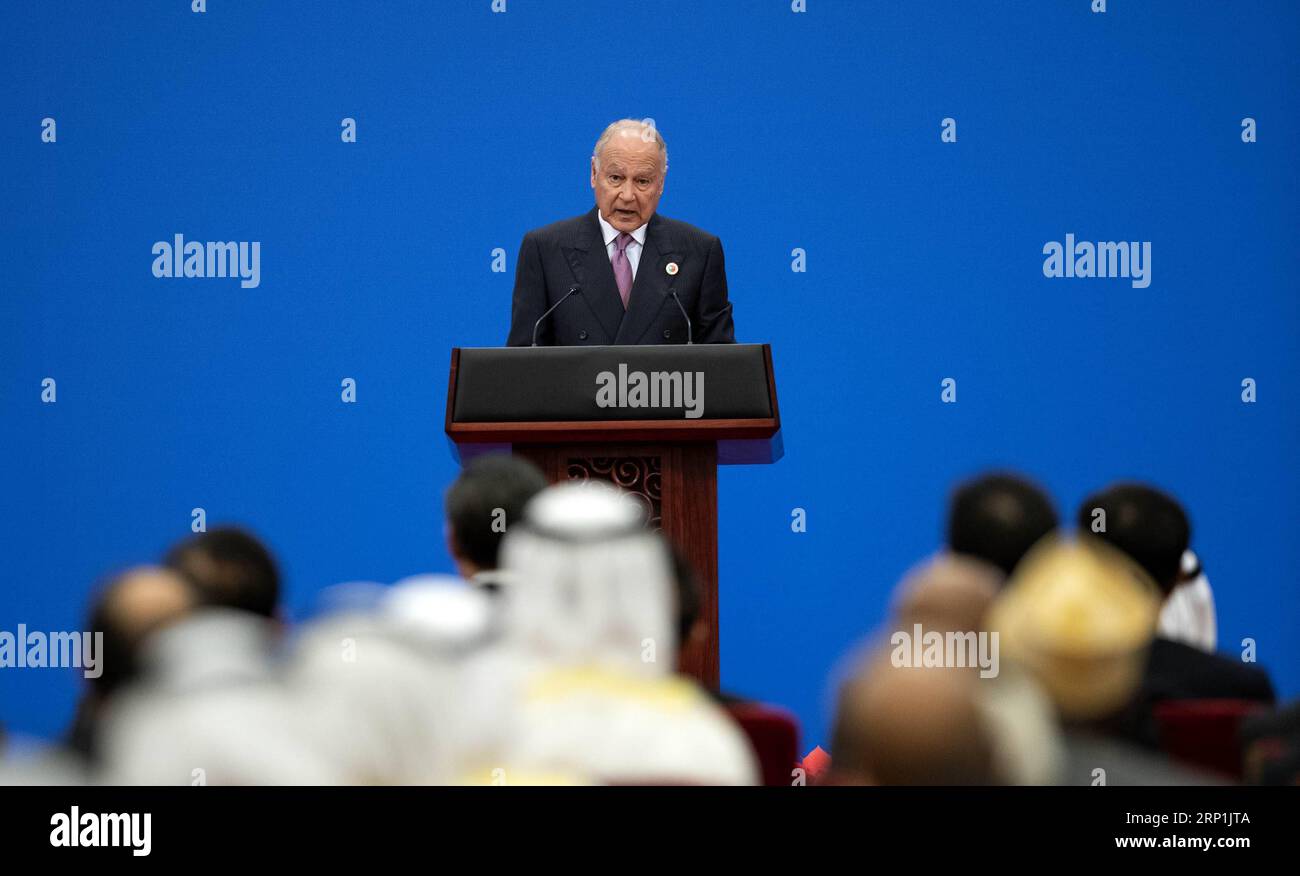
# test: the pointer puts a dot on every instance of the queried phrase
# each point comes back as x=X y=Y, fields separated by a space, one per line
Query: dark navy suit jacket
x=554 y=259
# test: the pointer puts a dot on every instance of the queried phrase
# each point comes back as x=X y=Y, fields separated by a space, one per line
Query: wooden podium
x=545 y=403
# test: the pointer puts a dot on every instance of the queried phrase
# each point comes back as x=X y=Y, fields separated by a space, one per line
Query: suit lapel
x=592 y=270
x=650 y=288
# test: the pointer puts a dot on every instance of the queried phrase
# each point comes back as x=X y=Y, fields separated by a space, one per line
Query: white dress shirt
x=634 y=248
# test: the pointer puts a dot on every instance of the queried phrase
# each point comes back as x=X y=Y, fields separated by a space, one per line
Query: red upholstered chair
x=774 y=734
x=1204 y=733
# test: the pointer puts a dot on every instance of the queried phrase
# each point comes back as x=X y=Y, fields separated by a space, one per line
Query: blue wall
x=818 y=130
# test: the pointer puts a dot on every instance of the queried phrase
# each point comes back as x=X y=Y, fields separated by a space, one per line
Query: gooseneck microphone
x=673 y=292
x=573 y=290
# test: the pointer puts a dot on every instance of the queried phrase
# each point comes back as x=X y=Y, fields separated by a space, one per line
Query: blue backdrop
x=818 y=130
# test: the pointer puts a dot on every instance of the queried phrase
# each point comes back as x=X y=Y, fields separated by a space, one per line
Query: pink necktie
x=622 y=267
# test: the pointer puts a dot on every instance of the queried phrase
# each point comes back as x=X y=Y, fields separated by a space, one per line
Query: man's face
x=629 y=180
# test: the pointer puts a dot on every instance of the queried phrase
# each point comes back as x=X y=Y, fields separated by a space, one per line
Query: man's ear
x=699 y=633
x=593 y=171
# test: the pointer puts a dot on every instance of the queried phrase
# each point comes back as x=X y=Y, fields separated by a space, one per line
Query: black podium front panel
x=698 y=382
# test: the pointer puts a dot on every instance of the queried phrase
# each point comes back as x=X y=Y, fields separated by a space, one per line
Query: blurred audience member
x=948 y=592
x=209 y=708
x=488 y=497
x=30 y=762
x=583 y=687
x=230 y=569
x=998 y=518
x=127 y=611
x=951 y=594
x=1080 y=617
x=910 y=726
x=691 y=628
x=382 y=686
x=1271 y=747
x=1151 y=528
x=1015 y=657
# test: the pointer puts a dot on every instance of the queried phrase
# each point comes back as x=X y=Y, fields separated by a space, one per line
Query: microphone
x=673 y=292
x=573 y=290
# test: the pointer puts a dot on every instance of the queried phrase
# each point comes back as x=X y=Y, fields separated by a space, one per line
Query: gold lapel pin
x=671 y=268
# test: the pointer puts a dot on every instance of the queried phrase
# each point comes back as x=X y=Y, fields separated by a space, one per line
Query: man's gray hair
x=644 y=128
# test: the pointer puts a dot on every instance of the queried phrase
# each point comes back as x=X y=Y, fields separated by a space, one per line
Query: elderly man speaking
x=618 y=274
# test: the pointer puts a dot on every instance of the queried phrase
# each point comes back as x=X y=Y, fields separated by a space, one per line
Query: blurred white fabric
x=1188 y=614
x=582 y=687
x=1022 y=726
x=382 y=689
x=595 y=586
x=28 y=761
x=568 y=675
x=210 y=710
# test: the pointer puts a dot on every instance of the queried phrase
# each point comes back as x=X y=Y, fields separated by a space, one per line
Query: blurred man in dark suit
x=1153 y=530
x=622 y=261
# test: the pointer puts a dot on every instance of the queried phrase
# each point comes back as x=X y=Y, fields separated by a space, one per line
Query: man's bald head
x=910 y=726
x=949 y=593
x=132 y=607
